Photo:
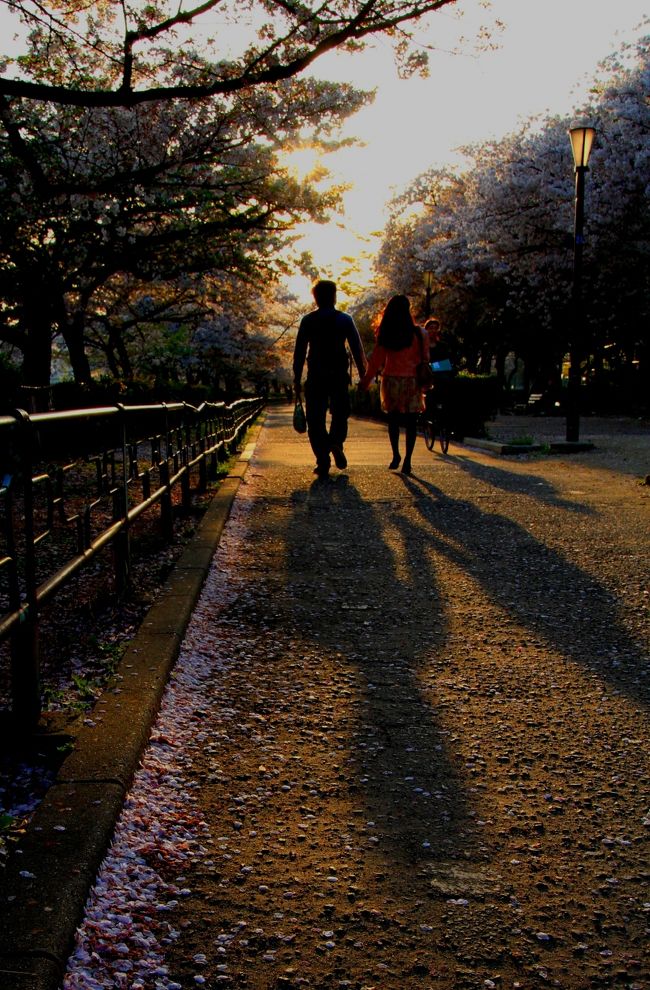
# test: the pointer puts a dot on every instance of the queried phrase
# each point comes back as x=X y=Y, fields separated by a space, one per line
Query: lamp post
x=429 y=278
x=582 y=139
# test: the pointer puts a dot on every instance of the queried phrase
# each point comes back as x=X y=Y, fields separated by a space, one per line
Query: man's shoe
x=340 y=459
x=322 y=468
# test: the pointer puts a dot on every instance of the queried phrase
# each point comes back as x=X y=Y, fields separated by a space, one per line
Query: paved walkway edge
x=45 y=887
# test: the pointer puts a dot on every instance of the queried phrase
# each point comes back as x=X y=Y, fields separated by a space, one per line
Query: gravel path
x=405 y=745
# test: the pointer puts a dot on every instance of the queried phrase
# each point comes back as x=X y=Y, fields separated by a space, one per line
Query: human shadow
x=536 y=585
x=366 y=590
x=516 y=483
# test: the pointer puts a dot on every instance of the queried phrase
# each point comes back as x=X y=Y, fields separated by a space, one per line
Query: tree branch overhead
x=285 y=39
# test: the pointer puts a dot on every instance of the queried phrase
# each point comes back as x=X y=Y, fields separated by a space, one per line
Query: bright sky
x=546 y=59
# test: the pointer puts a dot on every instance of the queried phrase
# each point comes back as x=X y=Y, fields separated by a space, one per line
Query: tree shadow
x=536 y=585
x=518 y=484
x=365 y=588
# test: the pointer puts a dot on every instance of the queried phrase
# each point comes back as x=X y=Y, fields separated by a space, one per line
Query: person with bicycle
x=436 y=416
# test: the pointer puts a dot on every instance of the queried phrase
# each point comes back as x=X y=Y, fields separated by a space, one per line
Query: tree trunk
x=73 y=334
x=117 y=341
x=111 y=360
x=37 y=359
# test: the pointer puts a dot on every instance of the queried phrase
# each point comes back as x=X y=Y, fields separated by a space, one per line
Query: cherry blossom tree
x=128 y=53
x=214 y=331
x=619 y=272
x=160 y=193
x=139 y=148
x=499 y=237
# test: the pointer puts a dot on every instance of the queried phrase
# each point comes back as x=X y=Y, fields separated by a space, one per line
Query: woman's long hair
x=396 y=327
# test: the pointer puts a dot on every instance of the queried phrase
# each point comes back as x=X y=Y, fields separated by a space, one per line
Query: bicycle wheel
x=429 y=434
x=444 y=439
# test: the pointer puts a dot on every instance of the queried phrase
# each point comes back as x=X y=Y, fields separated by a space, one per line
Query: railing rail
x=40 y=452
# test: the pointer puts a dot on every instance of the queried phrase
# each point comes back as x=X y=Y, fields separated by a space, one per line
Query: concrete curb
x=498 y=447
x=46 y=885
x=554 y=447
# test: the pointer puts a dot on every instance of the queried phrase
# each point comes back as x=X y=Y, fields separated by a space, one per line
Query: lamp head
x=582 y=139
x=429 y=278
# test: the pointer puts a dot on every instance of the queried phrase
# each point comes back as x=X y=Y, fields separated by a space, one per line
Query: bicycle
x=435 y=425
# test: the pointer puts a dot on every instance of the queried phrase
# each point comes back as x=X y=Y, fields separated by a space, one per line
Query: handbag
x=299 y=418
x=423 y=373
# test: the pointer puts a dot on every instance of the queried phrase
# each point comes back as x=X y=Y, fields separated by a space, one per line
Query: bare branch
x=182 y=17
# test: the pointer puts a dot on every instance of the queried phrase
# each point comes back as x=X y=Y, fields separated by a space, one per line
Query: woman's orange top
x=398 y=364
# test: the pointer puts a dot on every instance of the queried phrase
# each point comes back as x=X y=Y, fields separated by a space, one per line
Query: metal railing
x=136 y=455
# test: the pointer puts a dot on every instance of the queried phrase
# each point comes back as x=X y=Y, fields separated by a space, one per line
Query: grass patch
x=523 y=441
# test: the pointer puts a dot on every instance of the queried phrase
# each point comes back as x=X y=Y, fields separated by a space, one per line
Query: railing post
x=186 y=495
x=25 y=658
x=166 y=507
x=223 y=436
x=232 y=429
x=122 y=542
x=166 y=504
x=202 y=435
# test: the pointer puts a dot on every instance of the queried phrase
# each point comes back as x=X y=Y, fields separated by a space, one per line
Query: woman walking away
x=401 y=346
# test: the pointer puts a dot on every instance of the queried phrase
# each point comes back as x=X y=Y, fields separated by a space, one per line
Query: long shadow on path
x=353 y=800
x=536 y=585
x=364 y=589
x=518 y=483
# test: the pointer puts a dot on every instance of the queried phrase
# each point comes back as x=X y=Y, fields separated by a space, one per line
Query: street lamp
x=582 y=139
x=429 y=278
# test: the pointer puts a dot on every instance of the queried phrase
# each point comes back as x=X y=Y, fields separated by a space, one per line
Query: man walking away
x=322 y=339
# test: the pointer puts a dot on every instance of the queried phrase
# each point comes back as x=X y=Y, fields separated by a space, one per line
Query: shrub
x=474 y=399
x=108 y=391
x=619 y=392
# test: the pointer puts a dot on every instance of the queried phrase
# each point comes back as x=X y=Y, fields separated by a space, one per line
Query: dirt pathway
x=419 y=755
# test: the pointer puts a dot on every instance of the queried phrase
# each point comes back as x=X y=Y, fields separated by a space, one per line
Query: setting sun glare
x=533 y=66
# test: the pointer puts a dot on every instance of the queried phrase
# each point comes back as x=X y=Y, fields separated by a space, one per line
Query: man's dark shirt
x=322 y=339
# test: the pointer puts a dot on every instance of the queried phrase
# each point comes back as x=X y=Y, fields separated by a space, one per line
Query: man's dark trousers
x=322 y=394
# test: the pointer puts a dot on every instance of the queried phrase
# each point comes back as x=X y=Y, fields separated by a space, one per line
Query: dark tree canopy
x=123 y=54
x=141 y=157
